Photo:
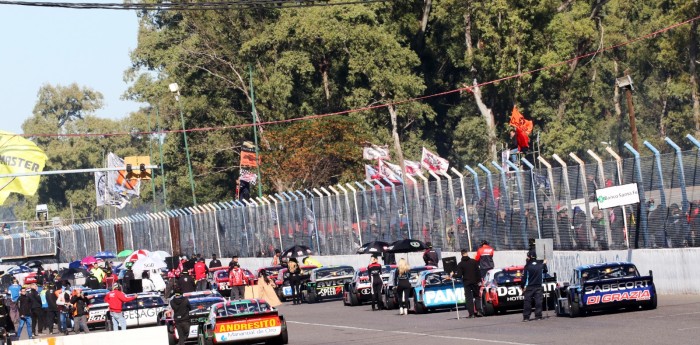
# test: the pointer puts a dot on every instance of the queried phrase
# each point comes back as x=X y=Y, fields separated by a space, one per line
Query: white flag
x=434 y=162
x=375 y=152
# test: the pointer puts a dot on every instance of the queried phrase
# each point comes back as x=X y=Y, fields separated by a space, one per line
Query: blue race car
x=610 y=285
x=434 y=289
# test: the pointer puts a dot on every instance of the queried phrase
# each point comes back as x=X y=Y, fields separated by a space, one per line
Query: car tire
x=354 y=299
x=651 y=305
x=575 y=310
x=310 y=297
x=420 y=308
x=489 y=309
x=389 y=303
x=171 y=339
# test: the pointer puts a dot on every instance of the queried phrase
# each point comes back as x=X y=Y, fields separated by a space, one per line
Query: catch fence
x=503 y=203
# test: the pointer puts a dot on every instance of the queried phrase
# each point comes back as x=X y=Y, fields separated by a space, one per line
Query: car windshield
x=508 y=276
x=436 y=278
x=199 y=306
x=222 y=274
x=334 y=272
x=242 y=307
x=97 y=299
x=272 y=271
x=144 y=302
x=598 y=273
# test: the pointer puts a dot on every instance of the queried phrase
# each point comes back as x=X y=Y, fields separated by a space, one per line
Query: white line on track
x=682 y=314
x=686 y=329
x=410 y=333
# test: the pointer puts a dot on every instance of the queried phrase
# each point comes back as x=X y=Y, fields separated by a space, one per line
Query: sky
x=63 y=46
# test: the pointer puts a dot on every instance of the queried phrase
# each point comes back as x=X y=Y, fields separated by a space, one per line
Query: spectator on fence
x=598 y=229
x=214 y=263
x=674 y=227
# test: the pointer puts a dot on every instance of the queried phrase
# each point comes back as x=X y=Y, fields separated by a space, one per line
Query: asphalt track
x=676 y=320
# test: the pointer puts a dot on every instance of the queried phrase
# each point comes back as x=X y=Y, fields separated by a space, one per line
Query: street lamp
x=175 y=89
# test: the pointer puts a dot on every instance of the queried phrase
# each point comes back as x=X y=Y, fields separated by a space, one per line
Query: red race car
x=220 y=275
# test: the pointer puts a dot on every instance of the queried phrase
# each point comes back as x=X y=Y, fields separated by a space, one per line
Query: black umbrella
x=406 y=246
x=375 y=247
x=297 y=251
x=74 y=273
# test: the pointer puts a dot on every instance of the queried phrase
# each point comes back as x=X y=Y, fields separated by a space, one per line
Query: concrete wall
x=675 y=270
x=148 y=335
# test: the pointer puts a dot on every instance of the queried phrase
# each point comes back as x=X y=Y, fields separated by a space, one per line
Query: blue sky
x=62 y=46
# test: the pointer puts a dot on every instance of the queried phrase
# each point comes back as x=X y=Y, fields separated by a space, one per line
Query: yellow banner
x=19 y=155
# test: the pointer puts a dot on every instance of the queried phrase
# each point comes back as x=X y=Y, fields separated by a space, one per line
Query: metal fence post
x=440 y=206
x=453 y=222
x=534 y=194
x=357 y=212
x=464 y=205
x=313 y=211
x=521 y=197
x=505 y=200
x=685 y=205
x=601 y=178
x=642 y=221
x=489 y=181
x=587 y=212
x=553 y=200
x=618 y=165
x=569 y=209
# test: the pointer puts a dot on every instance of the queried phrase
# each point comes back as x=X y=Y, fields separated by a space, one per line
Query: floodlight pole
x=162 y=167
x=174 y=88
x=255 y=130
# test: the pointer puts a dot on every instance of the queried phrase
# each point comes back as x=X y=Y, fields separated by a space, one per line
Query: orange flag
x=523 y=128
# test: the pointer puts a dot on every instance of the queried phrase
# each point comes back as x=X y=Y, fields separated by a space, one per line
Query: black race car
x=201 y=302
x=326 y=283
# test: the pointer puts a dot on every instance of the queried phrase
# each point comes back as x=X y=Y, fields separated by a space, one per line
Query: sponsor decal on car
x=365 y=291
x=630 y=285
x=638 y=290
x=515 y=293
x=444 y=296
x=329 y=290
x=247 y=329
x=97 y=316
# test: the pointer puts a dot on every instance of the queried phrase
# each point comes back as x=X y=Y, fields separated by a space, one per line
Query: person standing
x=234 y=261
x=237 y=282
x=404 y=286
x=430 y=256
x=276 y=259
x=200 y=275
x=186 y=282
x=5 y=320
x=485 y=258
x=63 y=303
x=116 y=299
x=44 y=308
x=468 y=270
x=24 y=305
x=52 y=309
x=532 y=286
x=98 y=273
x=374 y=270
x=80 y=305
x=214 y=263
x=14 y=291
x=146 y=282
x=128 y=277
x=37 y=316
x=181 y=315
x=294 y=278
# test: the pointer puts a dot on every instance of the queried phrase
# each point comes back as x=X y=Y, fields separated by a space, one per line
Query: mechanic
x=485 y=258
x=237 y=282
x=116 y=299
x=404 y=286
x=468 y=270
x=294 y=278
x=80 y=311
x=532 y=286
x=430 y=256
x=374 y=270
x=214 y=263
x=186 y=282
x=6 y=325
x=181 y=315
x=200 y=274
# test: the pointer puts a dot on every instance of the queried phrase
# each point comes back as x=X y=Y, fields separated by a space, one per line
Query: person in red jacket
x=200 y=274
x=116 y=299
x=237 y=281
x=485 y=258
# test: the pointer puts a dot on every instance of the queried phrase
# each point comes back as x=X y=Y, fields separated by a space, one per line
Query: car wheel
x=488 y=308
x=420 y=308
x=171 y=339
x=574 y=310
x=310 y=297
x=390 y=303
x=651 y=304
x=354 y=299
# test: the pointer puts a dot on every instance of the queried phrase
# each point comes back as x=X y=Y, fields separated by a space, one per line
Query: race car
x=326 y=283
x=501 y=290
x=282 y=288
x=389 y=296
x=146 y=310
x=610 y=285
x=201 y=302
x=359 y=290
x=434 y=289
x=220 y=275
x=243 y=321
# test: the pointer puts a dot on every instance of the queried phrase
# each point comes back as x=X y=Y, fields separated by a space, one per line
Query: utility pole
x=175 y=89
x=150 y=154
x=626 y=84
x=162 y=167
x=255 y=131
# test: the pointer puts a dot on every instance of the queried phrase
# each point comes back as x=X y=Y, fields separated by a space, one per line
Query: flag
x=249 y=176
x=19 y=155
x=392 y=172
x=374 y=152
x=371 y=173
x=248 y=156
x=434 y=162
x=523 y=128
x=412 y=168
x=117 y=181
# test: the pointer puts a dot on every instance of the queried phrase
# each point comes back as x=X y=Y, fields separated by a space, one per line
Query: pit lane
x=676 y=320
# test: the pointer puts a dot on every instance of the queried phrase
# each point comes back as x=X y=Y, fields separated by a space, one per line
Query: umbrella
x=147 y=264
x=124 y=253
x=74 y=273
x=88 y=260
x=159 y=255
x=135 y=256
x=74 y=264
x=375 y=247
x=297 y=251
x=32 y=264
x=106 y=255
x=406 y=246
x=19 y=269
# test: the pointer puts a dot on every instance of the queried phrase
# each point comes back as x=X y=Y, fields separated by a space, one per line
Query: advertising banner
x=617 y=196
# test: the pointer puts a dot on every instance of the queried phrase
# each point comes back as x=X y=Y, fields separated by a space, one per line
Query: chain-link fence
x=502 y=203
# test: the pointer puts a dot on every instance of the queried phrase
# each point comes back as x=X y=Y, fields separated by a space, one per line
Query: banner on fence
x=248 y=156
x=434 y=162
x=617 y=196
